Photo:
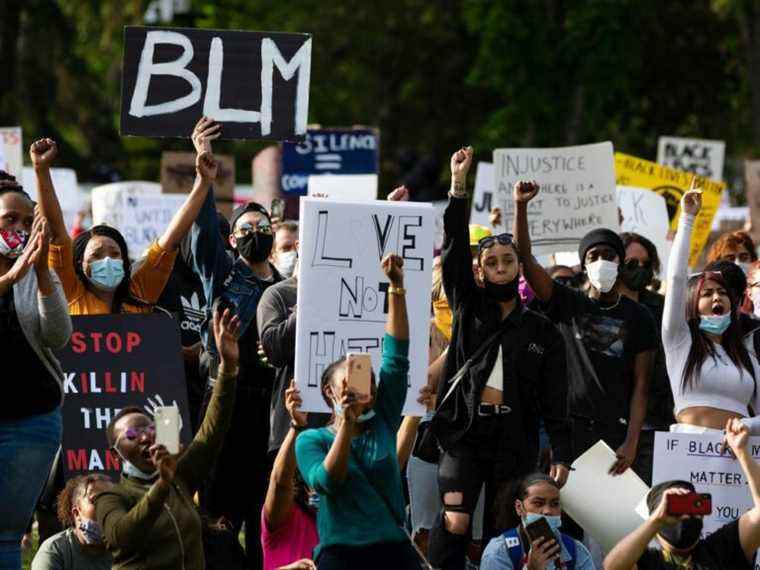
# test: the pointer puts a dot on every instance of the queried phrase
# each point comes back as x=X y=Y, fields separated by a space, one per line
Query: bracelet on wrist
x=396 y=290
x=298 y=428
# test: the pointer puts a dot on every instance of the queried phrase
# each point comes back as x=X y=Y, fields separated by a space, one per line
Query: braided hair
x=122 y=295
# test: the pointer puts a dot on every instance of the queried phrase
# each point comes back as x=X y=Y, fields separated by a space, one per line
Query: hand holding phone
x=543 y=545
x=689 y=504
x=359 y=375
x=167 y=428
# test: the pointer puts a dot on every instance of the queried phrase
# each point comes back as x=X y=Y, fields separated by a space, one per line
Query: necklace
x=609 y=308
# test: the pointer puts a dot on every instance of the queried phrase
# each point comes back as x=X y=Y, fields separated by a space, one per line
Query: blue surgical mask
x=92 y=531
x=314 y=501
x=106 y=273
x=555 y=522
x=714 y=324
x=366 y=416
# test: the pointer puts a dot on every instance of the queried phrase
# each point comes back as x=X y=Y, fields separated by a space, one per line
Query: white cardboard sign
x=702 y=157
x=699 y=459
x=137 y=209
x=605 y=506
x=483 y=198
x=577 y=192
x=11 y=151
x=646 y=213
x=66 y=189
x=355 y=187
x=342 y=290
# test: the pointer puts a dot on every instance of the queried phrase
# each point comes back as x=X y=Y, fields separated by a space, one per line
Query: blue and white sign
x=329 y=151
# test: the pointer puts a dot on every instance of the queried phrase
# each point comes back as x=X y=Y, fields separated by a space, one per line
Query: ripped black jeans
x=477 y=459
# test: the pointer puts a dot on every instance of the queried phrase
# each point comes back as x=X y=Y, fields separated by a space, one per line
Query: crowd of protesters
x=529 y=366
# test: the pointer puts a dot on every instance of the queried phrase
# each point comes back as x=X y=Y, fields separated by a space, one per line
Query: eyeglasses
x=488 y=241
x=135 y=433
x=572 y=282
x=262 y=227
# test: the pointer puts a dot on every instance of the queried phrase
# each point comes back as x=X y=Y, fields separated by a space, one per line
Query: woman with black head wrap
x=95 y=269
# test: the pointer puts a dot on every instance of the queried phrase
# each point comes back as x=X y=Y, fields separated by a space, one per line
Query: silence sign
x=111 y=362
x=256 y=84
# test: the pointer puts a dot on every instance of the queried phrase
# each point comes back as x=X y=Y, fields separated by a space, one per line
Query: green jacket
x=146 y=528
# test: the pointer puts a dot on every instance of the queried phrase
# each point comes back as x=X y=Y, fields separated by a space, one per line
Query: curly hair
x=731 y=241
x=72 y=493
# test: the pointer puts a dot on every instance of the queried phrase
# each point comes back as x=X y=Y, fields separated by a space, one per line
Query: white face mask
x=602 y=274
x=286 y=263
x=756 y=303
x=744 y=266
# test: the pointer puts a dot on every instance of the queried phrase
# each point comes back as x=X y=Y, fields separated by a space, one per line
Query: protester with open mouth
x=712 y=373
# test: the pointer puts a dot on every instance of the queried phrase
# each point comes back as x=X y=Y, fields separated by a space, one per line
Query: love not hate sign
x=343 y=293
x=256 y=84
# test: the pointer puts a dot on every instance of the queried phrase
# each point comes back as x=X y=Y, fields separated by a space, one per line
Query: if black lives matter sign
x=111 y=362
x=256 y=84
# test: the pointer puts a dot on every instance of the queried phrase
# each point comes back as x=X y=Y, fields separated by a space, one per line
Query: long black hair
x=701 y=345
x=122 y=295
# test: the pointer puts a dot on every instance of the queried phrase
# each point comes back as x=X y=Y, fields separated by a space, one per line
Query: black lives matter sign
x=256 y=84
x=111 y=362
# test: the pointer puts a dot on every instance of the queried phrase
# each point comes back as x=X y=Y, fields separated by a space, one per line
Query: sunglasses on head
x=488 y=241
x=706 y=274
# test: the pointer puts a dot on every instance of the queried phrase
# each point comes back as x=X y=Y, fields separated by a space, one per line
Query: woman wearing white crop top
x=713 y=371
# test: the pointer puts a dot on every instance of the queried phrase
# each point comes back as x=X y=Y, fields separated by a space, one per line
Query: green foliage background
x=433 y=75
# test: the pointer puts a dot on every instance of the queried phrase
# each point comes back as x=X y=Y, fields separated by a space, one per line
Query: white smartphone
x=167 y=427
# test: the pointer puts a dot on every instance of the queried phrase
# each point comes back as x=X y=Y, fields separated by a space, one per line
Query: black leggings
x=395 y=555
x=476 y=460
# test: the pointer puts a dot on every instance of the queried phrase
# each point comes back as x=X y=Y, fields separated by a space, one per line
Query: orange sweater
x=149 y=277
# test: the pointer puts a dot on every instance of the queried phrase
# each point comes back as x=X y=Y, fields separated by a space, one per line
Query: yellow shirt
x=149 y=277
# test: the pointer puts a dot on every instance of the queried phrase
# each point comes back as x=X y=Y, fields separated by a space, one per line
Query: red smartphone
x=359 y=375
x=689 y=504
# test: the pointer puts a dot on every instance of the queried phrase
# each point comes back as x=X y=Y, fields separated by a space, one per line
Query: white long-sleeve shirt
x=718 y=383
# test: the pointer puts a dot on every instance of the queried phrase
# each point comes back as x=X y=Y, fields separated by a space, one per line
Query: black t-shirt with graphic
x=722 y=550
x=183 y=297
x=602 y=344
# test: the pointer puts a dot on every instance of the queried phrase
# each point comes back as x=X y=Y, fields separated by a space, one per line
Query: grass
x=28 y=555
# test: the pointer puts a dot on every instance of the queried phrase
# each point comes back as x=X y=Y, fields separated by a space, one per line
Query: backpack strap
x=514 y=547
x=572 y=550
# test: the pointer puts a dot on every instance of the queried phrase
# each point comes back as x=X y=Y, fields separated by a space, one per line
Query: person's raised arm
x=456 y=259
x=42 y=154
x=206 y=168
x=737 y=437
x=407 y=433
x=626 y=553
x=279 y=499
x=335 y=463
x=674 y=327
x=397 y=324
x=194 y=464
x=536 y=276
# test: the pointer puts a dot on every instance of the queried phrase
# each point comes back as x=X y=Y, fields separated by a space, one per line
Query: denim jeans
x=27 y=450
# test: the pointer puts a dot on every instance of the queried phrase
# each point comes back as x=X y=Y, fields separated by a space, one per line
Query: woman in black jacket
x=487 y=424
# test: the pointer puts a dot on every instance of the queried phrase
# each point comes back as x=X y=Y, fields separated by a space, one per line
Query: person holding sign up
x=505 y=369
x=149 y=519
x=352 y=463
x=239 y=282
x=611 y=339
x=95 y=268
x=675 y=520
x=712 y=366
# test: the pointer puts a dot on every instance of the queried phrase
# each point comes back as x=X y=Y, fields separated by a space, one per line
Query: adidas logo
x=192 y=308
x=537 y=348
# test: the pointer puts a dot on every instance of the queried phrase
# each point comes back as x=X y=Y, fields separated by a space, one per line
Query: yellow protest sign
x=672 y=184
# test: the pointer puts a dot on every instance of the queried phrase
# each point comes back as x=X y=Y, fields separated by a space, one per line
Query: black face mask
x=683 y=535
x=255 y=246
x=502 y=291
x=636 y=277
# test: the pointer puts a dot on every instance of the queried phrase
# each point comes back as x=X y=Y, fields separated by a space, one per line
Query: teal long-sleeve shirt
x=352 y=512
